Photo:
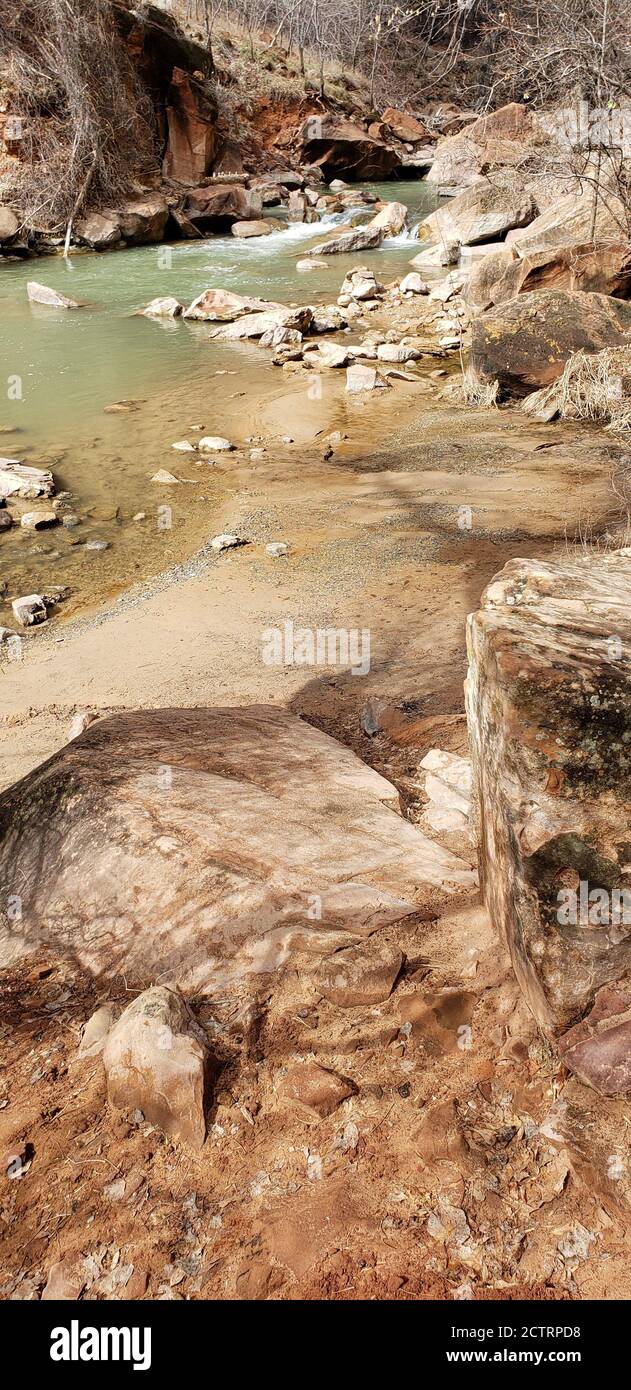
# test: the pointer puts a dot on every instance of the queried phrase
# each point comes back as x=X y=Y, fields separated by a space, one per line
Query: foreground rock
x=362 y=975
x=156 y=1060
x=255 y=325
x=598 y=1049
x=525 y=343
x=142 y=868
x=549 y=712
x=43 y=294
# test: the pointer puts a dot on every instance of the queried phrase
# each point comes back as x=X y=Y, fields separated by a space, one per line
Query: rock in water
x=549 y=711
x=42 y=294
x=187 y=844
x=156 y=1060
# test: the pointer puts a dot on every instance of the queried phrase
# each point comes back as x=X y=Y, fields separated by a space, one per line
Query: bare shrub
x=597 y=386
x=87 y=122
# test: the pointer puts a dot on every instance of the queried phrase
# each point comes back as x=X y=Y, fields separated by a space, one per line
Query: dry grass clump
x=596 y=386
x=478 y=393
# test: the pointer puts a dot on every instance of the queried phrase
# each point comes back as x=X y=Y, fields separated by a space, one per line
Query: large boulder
x=9 y=224
x=404 y=126
x=572 y=219
x=217 y=205
x=502 y=138
x=192 y=845
x=525 y=343
x=549 y=710
x=156 y=1060
x=480 y=288
x=484 y=212
x=599 y=268
x=343 y=150
x=391 y=218
x=224 y=306
x=143 y=220
x=359 y=239
x=257 y=324
x=192 y=140
x=100 y=231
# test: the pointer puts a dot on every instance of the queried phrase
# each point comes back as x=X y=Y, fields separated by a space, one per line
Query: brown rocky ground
x=465 y=1163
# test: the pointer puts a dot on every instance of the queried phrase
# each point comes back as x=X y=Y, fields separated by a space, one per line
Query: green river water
x=72 y=365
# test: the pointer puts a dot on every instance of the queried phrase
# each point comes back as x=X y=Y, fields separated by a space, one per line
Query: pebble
x=277 y=548
x=184 y=446
x=97 y=545
x=39 y=518
x=162 y=476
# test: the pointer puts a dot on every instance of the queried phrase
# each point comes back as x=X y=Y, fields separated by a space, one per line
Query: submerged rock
x=168 y=308
x=127 y=847
x=42 y=294
x=258 y=226
x=549 y=713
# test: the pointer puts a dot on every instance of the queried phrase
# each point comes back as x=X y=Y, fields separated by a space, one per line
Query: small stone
x=413 y=284
x=361 y=975
x=96 y=1031
x=183 y=446
x=97 y=545
x=277 y=548
x=70 y=520
x=214 y=444
x=226 y=542
x=6 y=633
x=156 y=1059
x=140 y=516
x=29 y=610
x=397 y=352
x=162 y=476
x=66 y=1280
x=167 y=308
x=316 y=1088
x=6 y=521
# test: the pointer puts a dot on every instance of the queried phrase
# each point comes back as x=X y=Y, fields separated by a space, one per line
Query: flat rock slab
x=194 y=846
x=598 y=1049
x=549 y=712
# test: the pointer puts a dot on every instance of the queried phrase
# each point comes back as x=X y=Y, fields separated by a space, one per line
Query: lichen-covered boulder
x=549 y=711
x=525 y=343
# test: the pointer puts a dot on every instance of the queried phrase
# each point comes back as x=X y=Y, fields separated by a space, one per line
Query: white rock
x=18 y=480
x=162 y=476
x=40 y=518
x=167 y=308
x=413 y=283
x=42 y=294
x=397 y=352
x=448 y=786
x=96 y=1030
x=184 y=446
x=306 y=264
x=29 y=610
x=226 y=542
x=277 y=548
x=214 y=444
x=156 y=1061
x=360 y=378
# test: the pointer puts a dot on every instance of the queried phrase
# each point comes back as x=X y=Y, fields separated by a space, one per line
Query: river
x=64 y=369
